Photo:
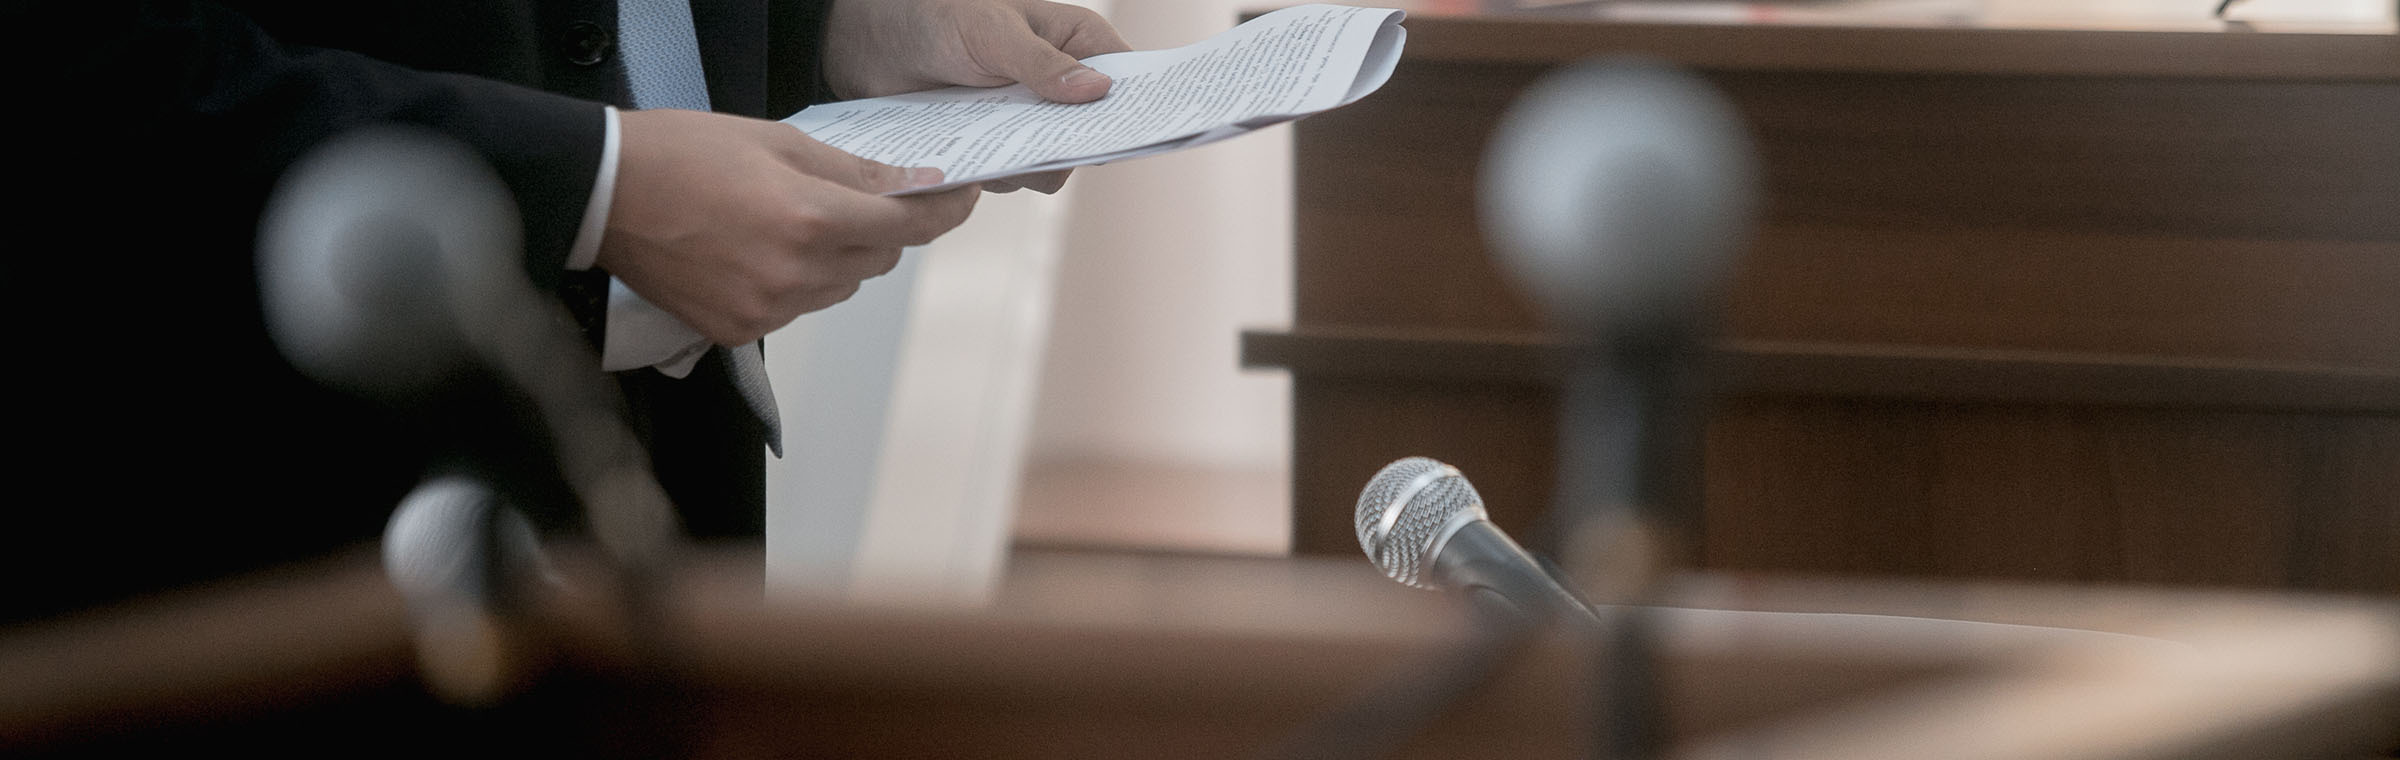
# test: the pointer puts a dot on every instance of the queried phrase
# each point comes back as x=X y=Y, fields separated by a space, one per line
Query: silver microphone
x=1424 y=525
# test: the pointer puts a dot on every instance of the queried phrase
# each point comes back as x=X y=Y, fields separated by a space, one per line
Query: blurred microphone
x=1619 y=194
x=1424 y=525
x=380 y=254
x=457 y=553
x=391 y=266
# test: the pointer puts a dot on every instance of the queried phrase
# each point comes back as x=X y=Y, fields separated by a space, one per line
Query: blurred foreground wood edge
x=1110 y=655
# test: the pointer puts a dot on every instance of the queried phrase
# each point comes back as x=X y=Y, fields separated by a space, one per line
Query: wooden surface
x=1779 y=368
x=2141 y=38
x=2027 y=301
x=1111 y=655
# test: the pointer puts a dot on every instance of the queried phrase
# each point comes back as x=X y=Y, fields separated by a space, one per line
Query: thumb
x=864 y=175
x=1025 y=57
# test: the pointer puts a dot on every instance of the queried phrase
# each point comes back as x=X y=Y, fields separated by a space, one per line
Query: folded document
x=1275 y=68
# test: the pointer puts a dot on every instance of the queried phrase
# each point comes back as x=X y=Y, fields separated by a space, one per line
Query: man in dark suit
x=168 y=440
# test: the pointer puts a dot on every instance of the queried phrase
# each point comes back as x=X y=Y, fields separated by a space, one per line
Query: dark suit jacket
x=168 y=441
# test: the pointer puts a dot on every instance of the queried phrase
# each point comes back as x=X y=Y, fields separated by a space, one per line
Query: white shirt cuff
x=642 y=335
x=604 y=191
x=638 y=333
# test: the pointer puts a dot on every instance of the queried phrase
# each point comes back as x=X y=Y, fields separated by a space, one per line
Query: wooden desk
x=2028 y=300
x=1113 y=656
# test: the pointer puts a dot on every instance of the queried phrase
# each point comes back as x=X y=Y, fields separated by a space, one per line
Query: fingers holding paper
x=1040 y=182
x=736 y=226
x=1042 y=52
x=888 y=47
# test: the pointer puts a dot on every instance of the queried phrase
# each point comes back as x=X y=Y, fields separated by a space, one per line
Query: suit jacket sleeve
x=208 y=109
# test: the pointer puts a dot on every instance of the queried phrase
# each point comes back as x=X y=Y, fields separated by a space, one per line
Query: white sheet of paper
x=1275 y=68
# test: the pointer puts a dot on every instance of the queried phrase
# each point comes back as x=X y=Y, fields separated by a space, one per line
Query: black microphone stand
x=1630 y=426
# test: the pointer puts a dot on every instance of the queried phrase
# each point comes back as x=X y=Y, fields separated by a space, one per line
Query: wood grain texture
x=1865 y=487
x=2057 y=304
x=1889 y=371
x=1969 y=464
x=1963 y=49
x=1115 y=655
x=2051 y=493
x=2222 y=219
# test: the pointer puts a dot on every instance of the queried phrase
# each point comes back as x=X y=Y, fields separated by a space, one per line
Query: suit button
x=587 y=43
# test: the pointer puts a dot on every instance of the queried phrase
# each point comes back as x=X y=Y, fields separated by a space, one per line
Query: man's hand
x=737 y=225
x=888 y=47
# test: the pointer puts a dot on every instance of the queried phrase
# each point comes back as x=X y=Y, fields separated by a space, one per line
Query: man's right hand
x=738 y=225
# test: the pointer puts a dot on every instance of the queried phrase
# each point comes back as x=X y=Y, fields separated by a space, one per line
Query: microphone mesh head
x=1402 y=511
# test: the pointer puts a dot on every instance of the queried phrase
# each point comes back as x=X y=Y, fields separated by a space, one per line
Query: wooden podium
x=2046 y=298
x=1110 y=656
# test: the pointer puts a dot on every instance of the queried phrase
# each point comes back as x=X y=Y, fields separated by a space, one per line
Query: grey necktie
x=662 y=68
x=662 y=54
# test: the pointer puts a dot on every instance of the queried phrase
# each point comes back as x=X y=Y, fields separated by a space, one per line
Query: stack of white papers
x=1275 y=68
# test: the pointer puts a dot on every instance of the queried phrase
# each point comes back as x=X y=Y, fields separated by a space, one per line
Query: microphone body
x=1498 y=575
